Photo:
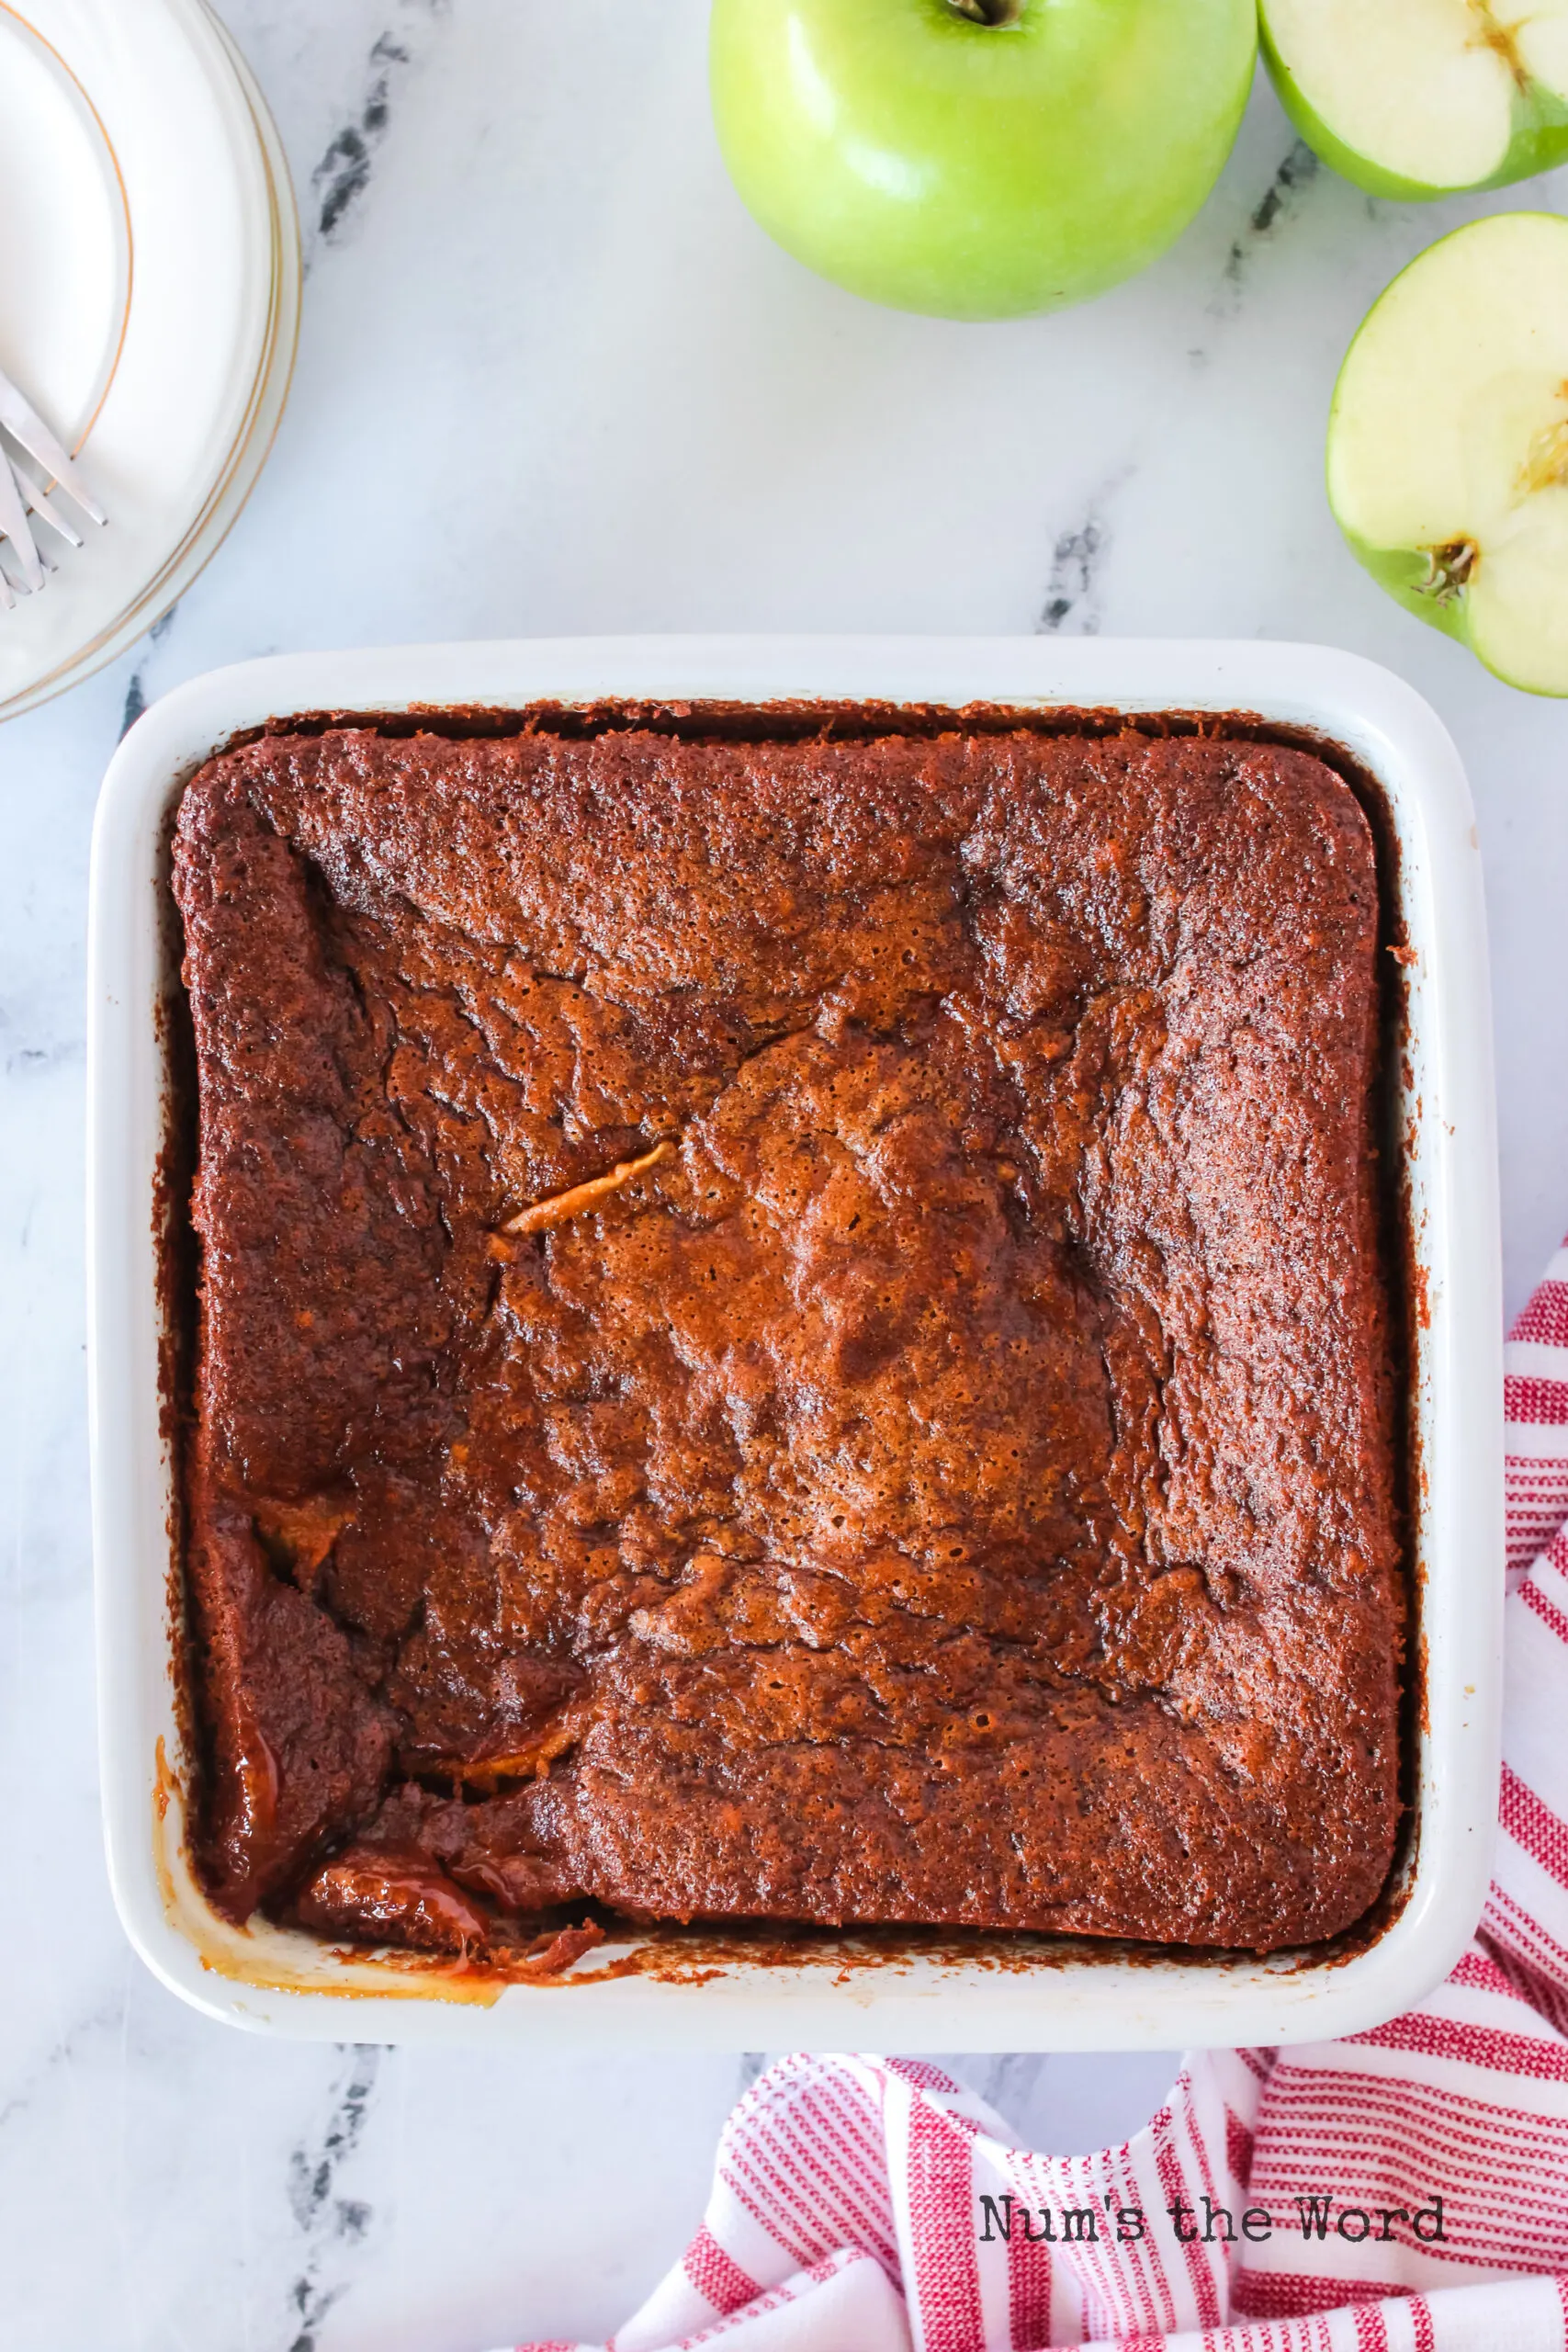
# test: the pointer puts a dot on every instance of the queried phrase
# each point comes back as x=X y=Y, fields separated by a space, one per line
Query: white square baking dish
x=966 y=1996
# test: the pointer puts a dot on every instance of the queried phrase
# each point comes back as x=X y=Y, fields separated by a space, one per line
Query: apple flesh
x=1416 y=99
x=977 y=159
x=1447 y=443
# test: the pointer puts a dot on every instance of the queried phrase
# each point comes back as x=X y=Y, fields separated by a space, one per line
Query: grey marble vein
x=343 y=175
x=1074 y=600
x=327 y=2223
x=32 y=1061
x=1281 y=200
x=19 y=2098
x=136 y=692
x=1069 y=607
x=753 y=2063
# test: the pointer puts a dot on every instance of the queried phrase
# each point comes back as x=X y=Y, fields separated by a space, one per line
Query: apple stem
x=994 y=13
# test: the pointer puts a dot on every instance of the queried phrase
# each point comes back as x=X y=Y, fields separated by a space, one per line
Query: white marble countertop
x=552 y=379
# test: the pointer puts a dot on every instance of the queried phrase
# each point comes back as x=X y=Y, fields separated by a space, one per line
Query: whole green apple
x=1415 y=99
x=978 y=159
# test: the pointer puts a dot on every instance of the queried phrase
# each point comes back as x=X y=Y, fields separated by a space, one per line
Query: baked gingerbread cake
x=789 y=1330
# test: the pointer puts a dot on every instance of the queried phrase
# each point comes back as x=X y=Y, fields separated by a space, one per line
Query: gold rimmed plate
x=66 y=257
x=148 y=302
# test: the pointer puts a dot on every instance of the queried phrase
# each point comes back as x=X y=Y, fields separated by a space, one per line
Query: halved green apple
x=1414 y=98
x=1447 y=443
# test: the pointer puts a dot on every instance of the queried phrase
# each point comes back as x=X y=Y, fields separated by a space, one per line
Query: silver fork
x=35 y=502
x=20 y=497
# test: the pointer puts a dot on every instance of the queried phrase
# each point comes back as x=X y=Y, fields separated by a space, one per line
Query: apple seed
x=1546 y=466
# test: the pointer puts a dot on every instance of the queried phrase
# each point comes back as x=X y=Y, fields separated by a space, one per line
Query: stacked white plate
x=149 y=303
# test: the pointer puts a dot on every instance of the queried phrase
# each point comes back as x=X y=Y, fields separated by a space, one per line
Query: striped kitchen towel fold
x=1403 y=2190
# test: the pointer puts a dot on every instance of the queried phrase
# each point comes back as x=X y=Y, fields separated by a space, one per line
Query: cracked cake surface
x=789 y=1330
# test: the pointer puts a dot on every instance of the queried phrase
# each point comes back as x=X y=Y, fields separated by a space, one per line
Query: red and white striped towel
x=849 y=2209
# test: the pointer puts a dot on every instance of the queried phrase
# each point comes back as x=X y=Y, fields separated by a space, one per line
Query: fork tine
x=47 y=512
x=7 y=597
x=14 y=526
x=23 y=423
